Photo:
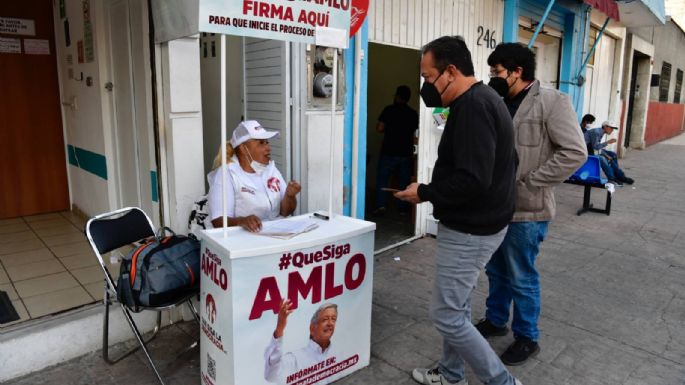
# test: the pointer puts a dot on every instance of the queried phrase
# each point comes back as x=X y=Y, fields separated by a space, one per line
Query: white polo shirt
x=246 y=193
x=278 y=366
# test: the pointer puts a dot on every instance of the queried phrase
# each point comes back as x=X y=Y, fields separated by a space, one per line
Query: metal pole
x=332 y=139
x=224 y=203
x=355 y=120
x=541 y=23
x=594 y=45
x=244 y=80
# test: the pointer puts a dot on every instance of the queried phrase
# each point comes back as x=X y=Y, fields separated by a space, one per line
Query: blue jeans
x=610 y=167
x=513 y=278
x=458 y=260
x=402 y=165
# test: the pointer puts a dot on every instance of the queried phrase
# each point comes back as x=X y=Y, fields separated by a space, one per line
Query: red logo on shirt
x=274 y=184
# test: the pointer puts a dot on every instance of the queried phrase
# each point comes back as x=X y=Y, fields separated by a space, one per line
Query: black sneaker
x=616 y=182
x=520 y=351
x=628 y=180
x=487 y=329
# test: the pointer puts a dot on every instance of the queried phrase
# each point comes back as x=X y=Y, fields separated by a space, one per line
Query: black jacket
x=474 y=179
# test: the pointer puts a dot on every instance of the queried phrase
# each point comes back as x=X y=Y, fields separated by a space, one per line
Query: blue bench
x=589 y=175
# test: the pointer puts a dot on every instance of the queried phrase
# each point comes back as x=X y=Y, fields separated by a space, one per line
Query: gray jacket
x=550 y=148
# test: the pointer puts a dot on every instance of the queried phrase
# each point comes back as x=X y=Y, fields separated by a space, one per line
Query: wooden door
x=33 y=174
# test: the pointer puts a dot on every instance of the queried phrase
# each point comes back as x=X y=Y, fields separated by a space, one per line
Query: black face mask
x=500 y=86
x=430 y=94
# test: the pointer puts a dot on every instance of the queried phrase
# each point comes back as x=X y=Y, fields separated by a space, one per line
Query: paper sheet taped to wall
x=9 y=45
x=36 y=47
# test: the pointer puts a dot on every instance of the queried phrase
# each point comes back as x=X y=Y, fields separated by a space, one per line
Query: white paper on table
x=287 y=228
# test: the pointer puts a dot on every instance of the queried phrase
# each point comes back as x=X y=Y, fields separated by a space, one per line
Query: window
x=592 y=37
x=665 y=82
x=678 y=86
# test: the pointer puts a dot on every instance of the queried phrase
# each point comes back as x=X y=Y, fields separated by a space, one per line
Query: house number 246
x=486 y=37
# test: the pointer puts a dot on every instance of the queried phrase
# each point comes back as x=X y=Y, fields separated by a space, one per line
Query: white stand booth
x=328 y=270
x=244 y=278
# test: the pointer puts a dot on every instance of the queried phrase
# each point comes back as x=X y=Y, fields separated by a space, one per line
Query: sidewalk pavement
x=613 y=298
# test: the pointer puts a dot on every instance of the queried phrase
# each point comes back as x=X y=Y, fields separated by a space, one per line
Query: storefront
x=559 y=42
x=131 y=97
x=397 y=31
x=600 y=66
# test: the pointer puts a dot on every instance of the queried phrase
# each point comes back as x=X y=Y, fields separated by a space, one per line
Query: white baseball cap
x=610 y=123
x=250 y=129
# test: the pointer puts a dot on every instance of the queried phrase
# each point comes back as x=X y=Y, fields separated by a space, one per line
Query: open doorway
x=637 y=101
x=33 y=169
x=391 y=154
x=547 y=48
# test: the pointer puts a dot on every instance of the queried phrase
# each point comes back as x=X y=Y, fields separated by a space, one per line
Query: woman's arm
x=289 y=201
x=250 y=223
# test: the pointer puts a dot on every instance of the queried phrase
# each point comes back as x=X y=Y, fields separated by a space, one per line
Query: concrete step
x=36 y=344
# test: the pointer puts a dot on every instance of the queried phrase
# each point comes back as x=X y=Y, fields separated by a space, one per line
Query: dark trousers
x=387 y=165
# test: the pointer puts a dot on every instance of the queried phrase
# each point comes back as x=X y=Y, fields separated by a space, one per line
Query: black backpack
x=160 y=271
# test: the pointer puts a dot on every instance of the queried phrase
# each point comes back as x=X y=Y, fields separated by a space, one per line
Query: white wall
x=413 y=23
x=84 y=125
x=669 y=43
x=317 y=134
x=181 y=127
x=603 y=84
x=211 y=92
x=91 y=125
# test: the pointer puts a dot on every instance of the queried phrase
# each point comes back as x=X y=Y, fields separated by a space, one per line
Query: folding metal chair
x=110 y=231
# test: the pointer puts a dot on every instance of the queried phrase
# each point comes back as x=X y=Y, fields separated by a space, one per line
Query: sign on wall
x=37 y=47
x=360 y=8
x=87 y=32
x=12 y=26
x=274 y=19
x=9 y=45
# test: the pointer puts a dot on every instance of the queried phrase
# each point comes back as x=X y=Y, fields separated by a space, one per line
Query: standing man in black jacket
x=472 y=192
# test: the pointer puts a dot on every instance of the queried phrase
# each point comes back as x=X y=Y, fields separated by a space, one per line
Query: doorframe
x=117 y=171
x=147 y=148
x=107 y=100
x=57 y=23
x=423 y=145
x=645 y=52
x=631 y=99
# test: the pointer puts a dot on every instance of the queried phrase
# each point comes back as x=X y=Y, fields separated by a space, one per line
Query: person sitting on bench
x=608 y=160
x=585 y=123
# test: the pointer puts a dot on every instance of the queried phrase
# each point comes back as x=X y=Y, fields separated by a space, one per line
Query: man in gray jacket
x=550 y=147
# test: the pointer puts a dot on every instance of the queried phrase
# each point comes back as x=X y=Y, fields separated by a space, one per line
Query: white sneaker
x=517 y=382
x=433 y=377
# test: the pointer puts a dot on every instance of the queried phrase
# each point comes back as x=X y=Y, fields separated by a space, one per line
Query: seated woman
x=255 y=189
